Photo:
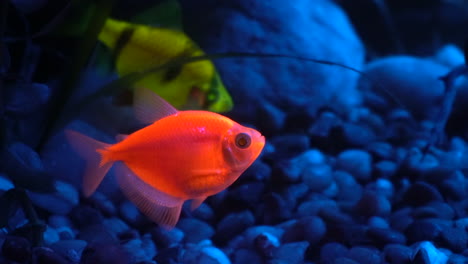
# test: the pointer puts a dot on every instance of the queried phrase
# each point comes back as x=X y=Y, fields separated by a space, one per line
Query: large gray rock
x=314 y=29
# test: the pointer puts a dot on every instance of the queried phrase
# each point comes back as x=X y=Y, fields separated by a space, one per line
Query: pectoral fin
x=196 y=203
x=160 y=207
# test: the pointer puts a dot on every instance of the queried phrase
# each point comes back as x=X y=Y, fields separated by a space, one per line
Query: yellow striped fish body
x=140 y=47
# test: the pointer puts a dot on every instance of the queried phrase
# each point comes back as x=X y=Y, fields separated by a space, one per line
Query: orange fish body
x=181 y=155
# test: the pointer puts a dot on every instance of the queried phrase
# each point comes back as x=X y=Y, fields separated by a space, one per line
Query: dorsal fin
x=150 y=107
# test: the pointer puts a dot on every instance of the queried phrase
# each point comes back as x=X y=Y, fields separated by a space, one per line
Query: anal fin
x=196 y=202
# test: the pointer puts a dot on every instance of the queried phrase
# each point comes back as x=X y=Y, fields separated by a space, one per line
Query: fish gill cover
x=362 y=105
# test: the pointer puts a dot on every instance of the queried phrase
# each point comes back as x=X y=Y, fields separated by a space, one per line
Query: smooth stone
x=373 y=204
x=115 y=225
x=434 y=255
x=258 y=171
x=103 y=203
x=5 y=183
x=310 y=228
x=242 y=256
x=454 y=238
x=83 y=216
x=317 y=177
x=384 y=236
x=195 y=230
x=343 y=260
x=385 y=168
x=204 y=252
x=313 y=207
x=206 y=22
x=291 y=145
x=204 y=212
x=44 y=255
x=130 y=214
x=233 y=224
x=434 y=210
x=421 y=230
x=401 y=219
x=381 y=150
x=421 y=193
x=61 y=202
x=377 y=222
x=292 y=253
x=16 y=248
x=142 y=249
x=357 y=135
x=293 y=168
x=167 y=238
x=266 y=244
x=356 y=162
x=349 y=190
x=397 y=254
x=104 y=253
x=248 y=239
x=364 y=255
x=70 y=249
x=331 y=251
x=275 y=210
x=50 y=236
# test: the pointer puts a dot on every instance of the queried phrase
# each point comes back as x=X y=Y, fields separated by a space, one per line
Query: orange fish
x=181 y=155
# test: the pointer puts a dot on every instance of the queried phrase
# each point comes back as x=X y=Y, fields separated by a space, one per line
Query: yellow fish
x=139 y=47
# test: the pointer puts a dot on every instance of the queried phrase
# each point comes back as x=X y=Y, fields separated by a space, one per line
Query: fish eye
x=243 y=140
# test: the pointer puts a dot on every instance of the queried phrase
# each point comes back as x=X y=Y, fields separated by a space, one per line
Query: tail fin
x=97 y=163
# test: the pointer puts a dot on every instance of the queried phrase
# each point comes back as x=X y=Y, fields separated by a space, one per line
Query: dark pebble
x=130 y=214
x=334 y=216
x=310 y=228
x=384 y=236
x=380 y=150
x=401 y=219
x=271 y=119
x=397 y=254
x=421 y=230
x=290 y=145
x=421 y=257
x=349 y=190
x=373 y=204
x=454 y=238
x=43 y=255
x=356 y=162
x=265 y=244
x=421 y=193
x=258 y=171
x=242 y=256
x=83 y=216
x=453 y=189
x=314 y=206
x=98 y=253
x=275 y=209
x=322 y=127
x=385 y=169
x=166 y=238
x=349 y=234
x=204 y=212
x=195 y=230
x=357 y=135
x=232 y=225
x=291 y=253
x=294 y=192
x=364 y=255
x=343 y=260
x=248 y=193
x=435 y=210
x=317 y=176
x=331 y=251
x=16 y=248
x=457 y=259
x=170 y=255
x=102 y=203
